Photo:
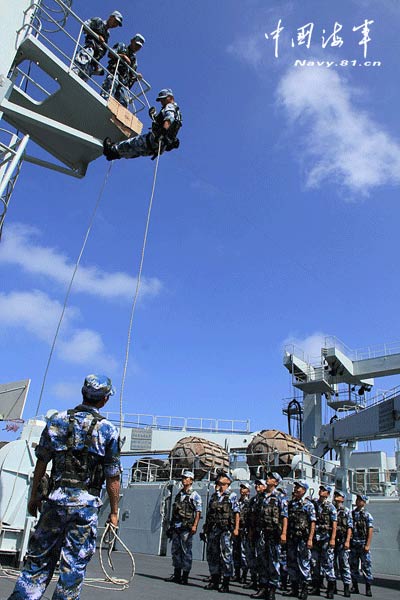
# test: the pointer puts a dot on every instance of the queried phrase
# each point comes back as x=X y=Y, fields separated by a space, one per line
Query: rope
x=138 y=281
x=70 y=285
x=144 y=93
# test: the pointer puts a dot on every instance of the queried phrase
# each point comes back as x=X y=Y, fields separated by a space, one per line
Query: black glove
x=169 y=532
x=152 y=112
x=203 y=537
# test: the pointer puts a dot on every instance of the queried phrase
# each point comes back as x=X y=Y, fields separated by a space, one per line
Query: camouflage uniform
x=67 y=527
x=147 y=144
x=271 y=509
x=93 y=50
x=342 y=565
x=323 y=556
x=241 y=542
x=251 y=541
x=362 y=521
x=301 y=515
x=182 y=538
x=124 y=79
x=219 y=526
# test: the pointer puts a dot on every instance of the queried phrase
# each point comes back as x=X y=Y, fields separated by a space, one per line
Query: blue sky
x=276 y=220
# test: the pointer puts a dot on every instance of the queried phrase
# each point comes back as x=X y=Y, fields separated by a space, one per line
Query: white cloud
x=19 y=247
x=339 y=142
x=309 y=347
x=39 y=315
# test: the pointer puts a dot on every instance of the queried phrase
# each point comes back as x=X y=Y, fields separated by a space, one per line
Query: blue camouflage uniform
x=271 y=509
x=219 y=526
x=301 y=515
x=87 y=58
x=182 y=537
x=67 y=527
x=147 y=144
x=342 y=556
x=124 y=79
x=362 y=522
x=251 y=545
x=323 y=556
x=241 y=542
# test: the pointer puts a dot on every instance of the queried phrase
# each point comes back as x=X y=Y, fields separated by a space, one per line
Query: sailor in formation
x=186 y=513
x=323 y=551
x=241 y=542
x=222 y=523
x=363 y=529
x=163 y=135
x=344 y=531
x=84 y=448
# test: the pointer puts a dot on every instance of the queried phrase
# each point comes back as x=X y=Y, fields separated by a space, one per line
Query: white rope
x=70 y=285
x=138 y=281
x=144 y=93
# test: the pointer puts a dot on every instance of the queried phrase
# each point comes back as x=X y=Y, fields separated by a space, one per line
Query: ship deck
x=149 y=583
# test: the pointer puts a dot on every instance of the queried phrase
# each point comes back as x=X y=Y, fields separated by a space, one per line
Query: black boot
x=346 y=590
x=176 y=577
x=271 y=593
x=330 y=590
x=335 y=588
x=293 y=592
x=252 y=585
x=236 y=576
x=316 y=588
x=284 y=580
x=262 y=593
x=225 y=585
x=109 y=151
x=185 y=577
x=303 y=592
x=368 y=589
x=354 y=588
x=244 y=576
x=213 y=583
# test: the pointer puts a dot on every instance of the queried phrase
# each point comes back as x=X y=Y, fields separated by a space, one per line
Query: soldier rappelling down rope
x=164 y=131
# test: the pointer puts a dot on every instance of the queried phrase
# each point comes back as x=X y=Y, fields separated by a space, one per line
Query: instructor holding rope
x=84 y=448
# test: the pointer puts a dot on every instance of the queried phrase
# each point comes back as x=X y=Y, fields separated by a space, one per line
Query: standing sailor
x=343 y=536
x=118 y=84
x=186 y=513
x=84 y=448
x=363 y=529
x=323 y=552
x=240 y=543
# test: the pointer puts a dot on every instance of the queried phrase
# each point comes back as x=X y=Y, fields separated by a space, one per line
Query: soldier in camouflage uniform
x=261 y=486
x=84 y=448
x=124 y=79
x=222 y=522
x=271 y=517
x=283 y=553
x=301 y=528
x=342 y=545
x=323 y=552
x=87 y=59
x=186 y=513
x=163 y=134
x=363 y=529
x=240 y=543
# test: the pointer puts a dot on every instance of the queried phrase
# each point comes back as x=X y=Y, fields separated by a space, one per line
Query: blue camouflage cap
x=187 y=473
x=363 y=497
x=274 y=475
x=301 y=483
x=139 y=39
x=245 y=485
x=164 y=93
x=262 y=481
x=339 y=493
x=118 y=17
x=325 y=487
x=97 y=387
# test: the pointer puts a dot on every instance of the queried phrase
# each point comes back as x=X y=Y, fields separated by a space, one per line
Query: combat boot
x=330 y=590
x=262 y=593
x=284 y=580
x=213 y=583
x=303 y=593
x=271 y=593
x=368 y=589
x=316 y=588
x=176 y=577
x=109 y=151
x=244 y=576
x=225 y=585
x=252 y=585
x=236 y=576
x=354 y=588
x=346 y=590
x=293 y=592
x=185 y=578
